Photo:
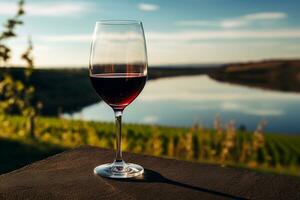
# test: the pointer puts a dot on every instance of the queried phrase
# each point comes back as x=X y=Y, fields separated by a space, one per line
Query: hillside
x=283 y=75
x=68 y=90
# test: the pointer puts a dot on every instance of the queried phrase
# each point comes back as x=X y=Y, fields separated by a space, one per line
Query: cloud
x=220 y=93
x=265 y=16
x=148 y=7
x=238 y=98
x=65 y=38
x=252 y=18
x=223 y=34
x=197 y=23
x=45 y=9
x=264 y=112
x=236 y=22
x=238 y=107
x=150 y=119
x=188 y=97
x=110 y=37
x=192 y=46
x=184 y=36
x=233 y=23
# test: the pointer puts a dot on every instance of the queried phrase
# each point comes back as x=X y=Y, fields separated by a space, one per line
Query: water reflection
x=183 y=101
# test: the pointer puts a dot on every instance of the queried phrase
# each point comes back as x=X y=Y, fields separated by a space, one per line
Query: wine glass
x=118 y=72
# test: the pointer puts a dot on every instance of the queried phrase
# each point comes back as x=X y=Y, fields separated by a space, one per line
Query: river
x=187 y=100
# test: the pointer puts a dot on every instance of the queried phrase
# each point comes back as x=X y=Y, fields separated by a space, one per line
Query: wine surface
x=119 y=89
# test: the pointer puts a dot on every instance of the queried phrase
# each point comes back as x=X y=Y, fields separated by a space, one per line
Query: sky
x=177 y=31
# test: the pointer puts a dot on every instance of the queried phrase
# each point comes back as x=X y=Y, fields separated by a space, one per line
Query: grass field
x=224 y=145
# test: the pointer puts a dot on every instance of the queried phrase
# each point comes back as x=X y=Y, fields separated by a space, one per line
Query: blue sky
x=177 y=32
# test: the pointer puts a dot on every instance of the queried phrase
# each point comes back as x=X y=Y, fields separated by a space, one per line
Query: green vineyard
x=223 y=145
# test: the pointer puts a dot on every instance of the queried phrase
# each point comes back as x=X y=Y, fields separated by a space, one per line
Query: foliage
x=62 y=85
x=16 y=95
x=224 y=146
x=9 y=32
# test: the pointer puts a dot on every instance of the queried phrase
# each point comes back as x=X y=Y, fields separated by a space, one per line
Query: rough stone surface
x=69 y=175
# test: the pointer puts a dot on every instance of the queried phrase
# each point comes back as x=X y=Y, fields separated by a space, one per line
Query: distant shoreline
x=69 y=90
x=279 y=75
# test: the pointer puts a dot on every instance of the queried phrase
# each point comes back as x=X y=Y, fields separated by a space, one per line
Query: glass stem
x=118 y=116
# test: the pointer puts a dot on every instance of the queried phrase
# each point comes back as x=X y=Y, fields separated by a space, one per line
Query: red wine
x=118 y=90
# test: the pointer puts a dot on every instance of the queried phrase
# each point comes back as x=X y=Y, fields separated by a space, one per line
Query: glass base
x=119 y=170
